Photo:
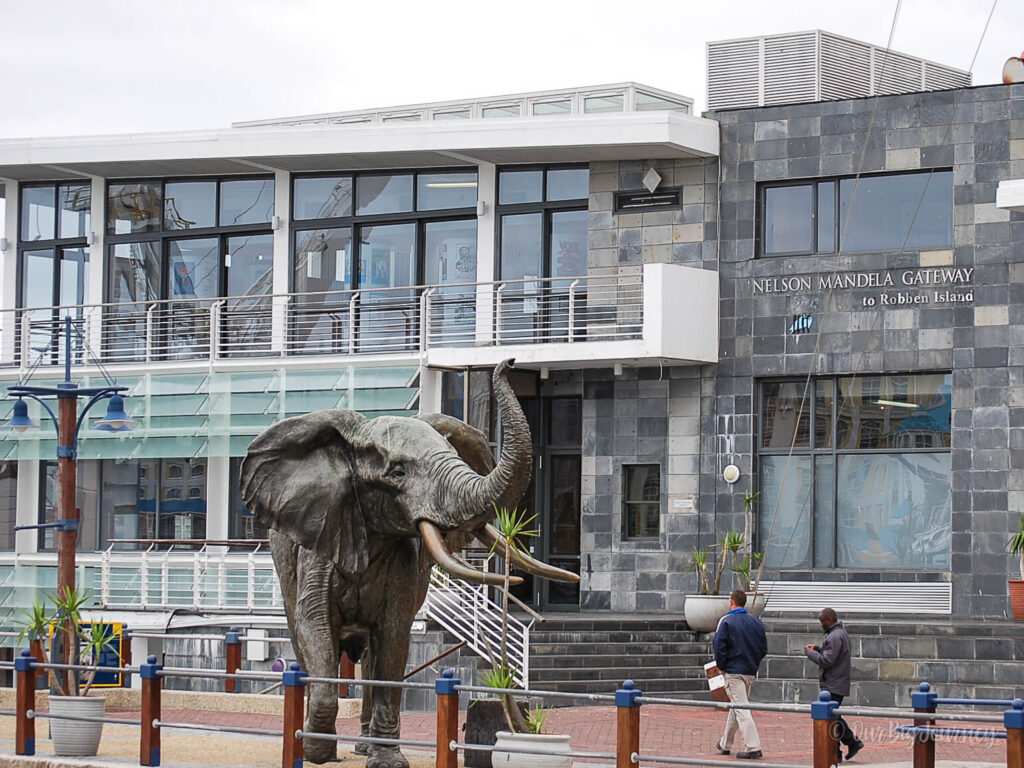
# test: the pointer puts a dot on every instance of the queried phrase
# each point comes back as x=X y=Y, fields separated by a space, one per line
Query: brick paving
x=668 y=731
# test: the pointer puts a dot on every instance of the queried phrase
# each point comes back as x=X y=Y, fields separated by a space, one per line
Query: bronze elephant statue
x=359 y=510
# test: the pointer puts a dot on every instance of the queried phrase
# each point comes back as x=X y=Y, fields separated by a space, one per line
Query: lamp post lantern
x=68 y=423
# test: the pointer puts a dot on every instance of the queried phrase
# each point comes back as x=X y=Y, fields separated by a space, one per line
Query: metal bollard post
x=447 y=718
x=232 y=657
x=25 y=681
x=346 y=670
x=126 y=656
x=923 y=700
x=149 y=737
x=627 y=731
x=824 y=735
x=1013 y=721
x=293 y=749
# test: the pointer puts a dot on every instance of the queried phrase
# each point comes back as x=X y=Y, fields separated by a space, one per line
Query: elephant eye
x=396 y=473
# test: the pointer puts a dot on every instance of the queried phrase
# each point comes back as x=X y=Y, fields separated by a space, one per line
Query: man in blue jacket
x=740 y=645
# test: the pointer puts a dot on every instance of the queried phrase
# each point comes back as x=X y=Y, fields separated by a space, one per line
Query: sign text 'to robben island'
x=898 y=287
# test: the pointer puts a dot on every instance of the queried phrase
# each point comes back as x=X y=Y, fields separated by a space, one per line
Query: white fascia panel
x=1010 y=195
x=681 y=312
x=683 y=134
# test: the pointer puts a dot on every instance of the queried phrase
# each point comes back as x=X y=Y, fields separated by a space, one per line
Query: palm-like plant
x=1016 y=545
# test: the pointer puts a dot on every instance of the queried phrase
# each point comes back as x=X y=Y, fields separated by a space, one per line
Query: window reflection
x=322 y=197
x=134 y=207
x=247 y=201
x=190 y=205
x=383 y=194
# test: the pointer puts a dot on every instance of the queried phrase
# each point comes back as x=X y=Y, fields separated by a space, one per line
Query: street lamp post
x=68 y=423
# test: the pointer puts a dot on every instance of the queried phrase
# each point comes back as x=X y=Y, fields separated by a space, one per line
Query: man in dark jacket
x=833 y=657
x=740 y=645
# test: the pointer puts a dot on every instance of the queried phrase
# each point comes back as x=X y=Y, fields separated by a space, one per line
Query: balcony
x=593 y=321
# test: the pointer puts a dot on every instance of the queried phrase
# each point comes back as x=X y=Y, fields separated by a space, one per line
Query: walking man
x=740 y=645
x=833 y=657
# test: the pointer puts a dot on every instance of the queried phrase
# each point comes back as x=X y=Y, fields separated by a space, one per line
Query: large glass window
x=871 y=213
x=855 y=472
x=404 y=230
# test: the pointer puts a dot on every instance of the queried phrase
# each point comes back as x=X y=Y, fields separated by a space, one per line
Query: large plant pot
x=703 y=612
x=76 y=738
x=756 y=602
x=1017 y=598
x=554 y=749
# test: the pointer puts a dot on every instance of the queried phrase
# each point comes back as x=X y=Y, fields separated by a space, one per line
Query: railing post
x=25 y=681
x=232 y=658
x=627 y=732
x=572 y=308
x=293 y=750
x=825 y=734
x=347 y=670
x=149 y=738
x=1013 y=721
x=126 y=655
x=923 y=700
x=447 y=718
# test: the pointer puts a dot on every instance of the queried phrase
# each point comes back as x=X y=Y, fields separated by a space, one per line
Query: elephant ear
x=469 y=442
x=297 y=479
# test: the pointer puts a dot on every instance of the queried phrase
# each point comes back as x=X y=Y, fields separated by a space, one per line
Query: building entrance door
x=554 y=497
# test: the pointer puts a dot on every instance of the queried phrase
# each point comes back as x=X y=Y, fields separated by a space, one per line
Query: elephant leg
x=387 y=662
x=316 y=633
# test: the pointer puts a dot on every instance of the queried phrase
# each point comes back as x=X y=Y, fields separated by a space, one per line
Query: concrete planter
x=553 y=749
x=703 y=612
x=76 y=738
x=756 y=602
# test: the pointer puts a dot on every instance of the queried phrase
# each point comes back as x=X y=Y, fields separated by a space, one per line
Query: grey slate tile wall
x=977 y=132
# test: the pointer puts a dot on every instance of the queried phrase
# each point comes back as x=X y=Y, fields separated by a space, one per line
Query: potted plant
x=524 y=730
x=1016 y=546
x=70 y=693
x=704 y=610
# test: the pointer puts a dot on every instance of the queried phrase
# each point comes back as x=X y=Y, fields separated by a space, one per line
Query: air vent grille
x=636 y=202
x=734 y=74
x=845 y=68
x=790 y=68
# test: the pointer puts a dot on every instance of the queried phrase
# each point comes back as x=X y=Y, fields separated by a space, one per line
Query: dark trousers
x=845 y=732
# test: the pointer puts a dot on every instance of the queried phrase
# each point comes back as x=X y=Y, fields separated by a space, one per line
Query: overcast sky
x=72 y=67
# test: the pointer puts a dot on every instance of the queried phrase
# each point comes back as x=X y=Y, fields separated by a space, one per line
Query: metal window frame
x=627 y=504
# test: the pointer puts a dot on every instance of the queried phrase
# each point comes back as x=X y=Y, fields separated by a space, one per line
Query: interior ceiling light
x=898 y=404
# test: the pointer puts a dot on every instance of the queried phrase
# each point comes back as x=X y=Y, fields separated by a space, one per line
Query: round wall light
x=731 y=474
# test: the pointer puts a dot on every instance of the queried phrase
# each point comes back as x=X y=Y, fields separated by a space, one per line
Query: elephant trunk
x=505 y=485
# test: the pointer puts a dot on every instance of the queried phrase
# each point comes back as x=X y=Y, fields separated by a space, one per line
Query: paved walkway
x=665 y=731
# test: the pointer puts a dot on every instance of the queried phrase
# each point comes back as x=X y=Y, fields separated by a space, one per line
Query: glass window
x=641 y=498
x=134 y=207
x=520 y=187
x=135 y=272
x=451 y=252
x=75 y=209
x=323 y=262
x=561 y=107
x=874 y=490
x=568 y=184
x=509 y=110
x=435 y=191
x=193 y=268
x=610 y=103
x=789 y=222
x=190 y=204
x=322 y=197
x=8 y=503
x=522 y=246
x=827 y=231
x=247 y=201
x=458 y=114
x=37 y=279
x=383 y=194
x=645 y=102
x=387 y=256
x=569 y=243
x=913 y=210
x=250 y=265
x=414 y=118
x=38 y=213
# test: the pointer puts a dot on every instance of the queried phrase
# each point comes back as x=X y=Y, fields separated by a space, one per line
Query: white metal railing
x=368 y=321
x=467 y=612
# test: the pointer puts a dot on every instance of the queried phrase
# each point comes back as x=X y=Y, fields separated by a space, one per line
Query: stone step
x=665 y=687
x=613 y=637
x=537 y=676
x=626 y=661
x=622 y=649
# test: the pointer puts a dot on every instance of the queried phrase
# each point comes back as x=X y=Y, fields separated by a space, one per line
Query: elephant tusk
x=434 y=543
x=527 y=563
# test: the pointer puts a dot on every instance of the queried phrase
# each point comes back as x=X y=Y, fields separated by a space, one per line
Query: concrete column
x=217 y=497
x=486 y=267
x=97 y=265
x=9 y=271
x=282 y=259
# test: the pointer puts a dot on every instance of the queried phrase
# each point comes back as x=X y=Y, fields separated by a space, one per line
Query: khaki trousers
x=738 y=687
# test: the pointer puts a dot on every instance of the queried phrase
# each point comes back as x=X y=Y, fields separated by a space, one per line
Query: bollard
x=232 y=658
x=126 y=656
x=347 y=671
x=923 y=700
x=25 y=681
x=149 y=736
x=627 y=731
x=293 y=750
x=447 y=719
x=1013 y=721
x=825 y=738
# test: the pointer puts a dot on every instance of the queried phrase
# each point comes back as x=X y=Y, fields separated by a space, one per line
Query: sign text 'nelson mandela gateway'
x=935 y=285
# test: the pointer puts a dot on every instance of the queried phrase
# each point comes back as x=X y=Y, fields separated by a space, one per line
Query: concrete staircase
x=582 y=654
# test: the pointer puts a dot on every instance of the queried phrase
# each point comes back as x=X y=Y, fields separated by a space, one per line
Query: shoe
x=754 y=754
x=854 y=748
x=721 y=750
